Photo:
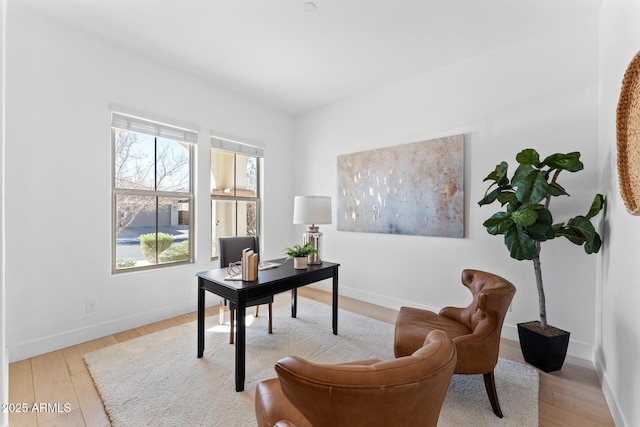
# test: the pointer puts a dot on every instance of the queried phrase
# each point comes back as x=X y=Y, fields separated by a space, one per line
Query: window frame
x=166 y=130
x=244 y=149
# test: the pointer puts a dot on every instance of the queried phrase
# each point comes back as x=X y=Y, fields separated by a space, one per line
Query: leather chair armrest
x=478 y=351
x=367 y=362
x=272 y=408
x=453 y=313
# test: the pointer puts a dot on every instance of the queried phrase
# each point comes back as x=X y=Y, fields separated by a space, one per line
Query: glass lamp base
x=313 y=236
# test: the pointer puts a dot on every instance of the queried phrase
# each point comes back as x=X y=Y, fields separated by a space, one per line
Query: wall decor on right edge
x=628 y=137
x=414 y=189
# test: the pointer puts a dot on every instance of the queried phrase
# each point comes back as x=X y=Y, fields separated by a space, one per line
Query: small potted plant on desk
x=526 y=223
x=300 y=254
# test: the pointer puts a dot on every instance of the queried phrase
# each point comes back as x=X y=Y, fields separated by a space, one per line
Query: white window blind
x=153 y=128
x=236 y=147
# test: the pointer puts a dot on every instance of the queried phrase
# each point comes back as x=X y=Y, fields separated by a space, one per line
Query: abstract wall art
x=414 y=189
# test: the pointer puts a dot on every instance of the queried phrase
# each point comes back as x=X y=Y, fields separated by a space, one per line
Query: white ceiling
x=276 y=53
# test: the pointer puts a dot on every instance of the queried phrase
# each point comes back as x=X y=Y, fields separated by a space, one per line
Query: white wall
x=541 y=92
x=4 y=362
x=617 y=339
x=60 y=84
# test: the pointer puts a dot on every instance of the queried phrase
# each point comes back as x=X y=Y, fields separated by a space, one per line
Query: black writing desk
x=270 y=282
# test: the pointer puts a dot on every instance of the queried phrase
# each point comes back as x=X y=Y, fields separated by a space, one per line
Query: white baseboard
x=369 y=297
x=576 y=348
x=62 y=340
x=616 y=414
x=510 y=331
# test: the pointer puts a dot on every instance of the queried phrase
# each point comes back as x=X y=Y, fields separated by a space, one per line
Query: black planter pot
x=546 y=353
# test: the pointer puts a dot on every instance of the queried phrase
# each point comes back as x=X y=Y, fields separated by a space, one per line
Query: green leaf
x=502 y=194
x=532 y=187
x=489 y=197
x=581 y=225
x=491 y=177
x=520 y=245
x=499 y=223
x=579 y=230
x=499 y=178
x=594 y=245
x=506 y=196
x=499 y=173
x=528 y=156
x=514 y=204
x=569 y=162
x=596 y=206
x=556 y=189
x=542 y=229
x=571 y=234
x=522 y=172
x=524 y=216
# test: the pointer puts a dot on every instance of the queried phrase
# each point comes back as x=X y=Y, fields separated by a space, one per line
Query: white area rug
x=157 y=380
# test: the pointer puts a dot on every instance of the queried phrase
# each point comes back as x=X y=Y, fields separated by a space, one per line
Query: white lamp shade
x=312 y=210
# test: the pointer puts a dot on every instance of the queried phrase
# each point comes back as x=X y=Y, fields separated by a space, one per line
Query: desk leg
x=335 y=302
x=294 y=302
x=200 y=319
x=241 y=312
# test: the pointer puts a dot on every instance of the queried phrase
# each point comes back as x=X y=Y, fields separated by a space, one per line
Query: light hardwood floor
x=570 y=397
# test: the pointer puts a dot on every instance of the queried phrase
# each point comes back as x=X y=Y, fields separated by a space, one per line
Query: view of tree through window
x=234 y=196
x=152 y=199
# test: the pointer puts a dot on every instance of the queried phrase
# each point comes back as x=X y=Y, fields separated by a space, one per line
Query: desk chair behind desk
x=230 y=250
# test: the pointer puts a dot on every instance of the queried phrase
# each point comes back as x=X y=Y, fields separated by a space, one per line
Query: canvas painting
x=414 y=189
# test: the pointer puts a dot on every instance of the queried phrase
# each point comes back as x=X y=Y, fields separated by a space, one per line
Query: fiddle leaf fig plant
x=527 y=221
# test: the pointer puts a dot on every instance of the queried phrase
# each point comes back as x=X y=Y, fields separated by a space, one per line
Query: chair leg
x=270 y=311
x=490 y=385
x=221 y=314
x=257 y=309
x=232 y=318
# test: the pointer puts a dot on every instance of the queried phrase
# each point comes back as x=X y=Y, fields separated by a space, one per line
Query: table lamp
x=312 y=210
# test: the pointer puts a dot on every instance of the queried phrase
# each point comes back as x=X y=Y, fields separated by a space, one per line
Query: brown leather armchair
x=407 y=391
x=475 y=330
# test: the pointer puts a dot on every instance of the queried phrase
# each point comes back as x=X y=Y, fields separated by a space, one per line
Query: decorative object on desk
x=312 y=210
x=414 y=189
x=266 y=265
x=527 y=221
x=300 y=262
x=249 y=265
x=234 y=270
x=301 y=254
x=628 y=137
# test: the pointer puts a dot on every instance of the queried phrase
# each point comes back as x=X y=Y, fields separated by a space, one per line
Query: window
x=235 y=190
x=152 y=193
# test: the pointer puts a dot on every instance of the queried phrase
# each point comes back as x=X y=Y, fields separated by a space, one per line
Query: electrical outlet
x=91 y=305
